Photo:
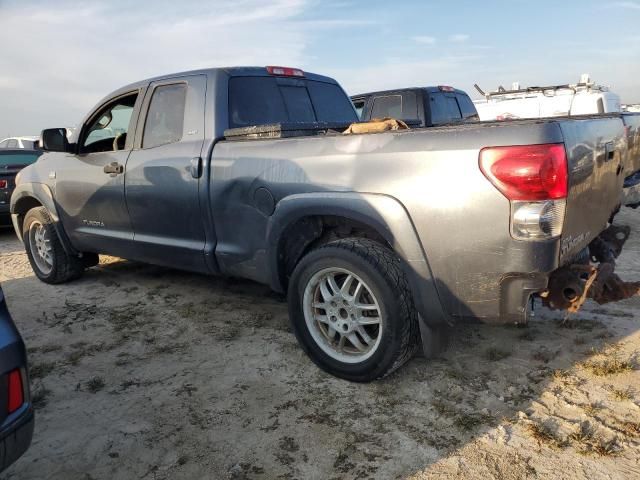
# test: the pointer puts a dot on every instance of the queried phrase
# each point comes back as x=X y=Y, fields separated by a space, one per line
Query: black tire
x=379 y=267
x=64 y=267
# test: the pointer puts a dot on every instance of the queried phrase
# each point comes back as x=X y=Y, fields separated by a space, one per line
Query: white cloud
x=71 y=55
x=458 y=38
x=629 y=5
x=424 y=39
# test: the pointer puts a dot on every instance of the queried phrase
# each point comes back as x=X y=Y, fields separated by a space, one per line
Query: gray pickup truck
x=380 y=239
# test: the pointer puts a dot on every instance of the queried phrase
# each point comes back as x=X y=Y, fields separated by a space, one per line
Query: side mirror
x=55 y=140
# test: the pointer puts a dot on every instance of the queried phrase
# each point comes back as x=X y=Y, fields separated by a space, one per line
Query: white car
x=30 y=143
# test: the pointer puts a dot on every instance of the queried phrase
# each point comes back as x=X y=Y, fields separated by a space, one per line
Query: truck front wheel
x=352 y=311
x=47 y=257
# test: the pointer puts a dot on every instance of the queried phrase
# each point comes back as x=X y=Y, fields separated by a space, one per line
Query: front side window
x=165 y=118
x=12 y=143
x=108 y=130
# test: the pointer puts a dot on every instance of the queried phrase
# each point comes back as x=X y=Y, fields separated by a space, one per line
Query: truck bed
x=462 y=221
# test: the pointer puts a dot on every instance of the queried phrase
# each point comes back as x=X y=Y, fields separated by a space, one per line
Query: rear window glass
x=387 y=106
x=467 y=107
x=18 y=158
x=444 y=108
x=264 y=100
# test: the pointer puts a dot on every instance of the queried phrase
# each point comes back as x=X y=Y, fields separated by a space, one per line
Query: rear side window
x=165 y=118
x=264 y=100
x=467 y=107
x=444 y=108
x=387 y=106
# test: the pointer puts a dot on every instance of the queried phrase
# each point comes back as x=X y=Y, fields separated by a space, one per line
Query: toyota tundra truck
x=379 y=240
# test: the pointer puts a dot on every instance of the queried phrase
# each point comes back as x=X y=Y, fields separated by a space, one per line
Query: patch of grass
x=621 y=395
x=443 y=408
x=170 y=348
x=50 y=348
x=592 y=408
x=584 y=433
x=580 y=324
x=495 y=354
x=543 y=434
x=470 y=421
x=289 y=444
x=609 y=366
x=631 y=428
x=95 y=384
x=527 y=336
x=605 y=448
x=81 y=350
x=592 y=443
x=544 y=355
x=579 y=340
x=41 y=370
x=39 y=397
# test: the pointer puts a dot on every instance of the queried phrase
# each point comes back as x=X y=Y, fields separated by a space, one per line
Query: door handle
x=196 y=167
x=114 y=168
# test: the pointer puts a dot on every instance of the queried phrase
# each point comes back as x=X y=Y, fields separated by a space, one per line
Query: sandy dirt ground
x=142 y=372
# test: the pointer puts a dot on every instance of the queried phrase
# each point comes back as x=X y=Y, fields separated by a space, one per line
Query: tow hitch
x=593 y=277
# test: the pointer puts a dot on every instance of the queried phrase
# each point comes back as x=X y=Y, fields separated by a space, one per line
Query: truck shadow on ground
x=235 y=397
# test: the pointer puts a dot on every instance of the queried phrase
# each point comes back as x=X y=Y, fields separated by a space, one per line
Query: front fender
x=384 y=214
x=25 y=197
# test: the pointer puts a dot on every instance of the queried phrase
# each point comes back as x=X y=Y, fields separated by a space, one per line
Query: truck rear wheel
x=48 y=259
x=352 y=311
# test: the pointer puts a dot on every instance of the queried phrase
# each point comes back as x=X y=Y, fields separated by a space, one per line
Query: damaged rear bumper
x=592 y=276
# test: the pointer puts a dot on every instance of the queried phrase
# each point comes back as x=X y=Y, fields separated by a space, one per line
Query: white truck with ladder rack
x=583 y=98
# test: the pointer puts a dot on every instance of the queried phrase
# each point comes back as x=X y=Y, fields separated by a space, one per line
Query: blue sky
x=59 y=58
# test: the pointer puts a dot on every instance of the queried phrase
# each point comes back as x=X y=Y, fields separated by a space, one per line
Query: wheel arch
x=31 y=195
x=380 y=217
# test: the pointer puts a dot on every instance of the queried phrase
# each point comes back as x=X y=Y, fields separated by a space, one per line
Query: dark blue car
x=11 y=162
x=16 y=410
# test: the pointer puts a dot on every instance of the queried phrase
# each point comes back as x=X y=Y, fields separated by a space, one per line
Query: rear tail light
x=16 y=394
x=535 y=179
x=285 y=71
x=3 y=184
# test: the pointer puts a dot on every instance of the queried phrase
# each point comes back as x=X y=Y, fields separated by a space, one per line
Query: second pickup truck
x=379 y=240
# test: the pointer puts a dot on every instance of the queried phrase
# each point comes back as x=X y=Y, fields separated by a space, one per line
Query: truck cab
x=422 y=106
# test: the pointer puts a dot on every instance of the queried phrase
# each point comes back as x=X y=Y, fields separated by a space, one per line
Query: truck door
x=163 y=174
x=90 y=184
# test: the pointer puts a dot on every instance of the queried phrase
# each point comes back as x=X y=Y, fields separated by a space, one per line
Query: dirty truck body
x=442 y=220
